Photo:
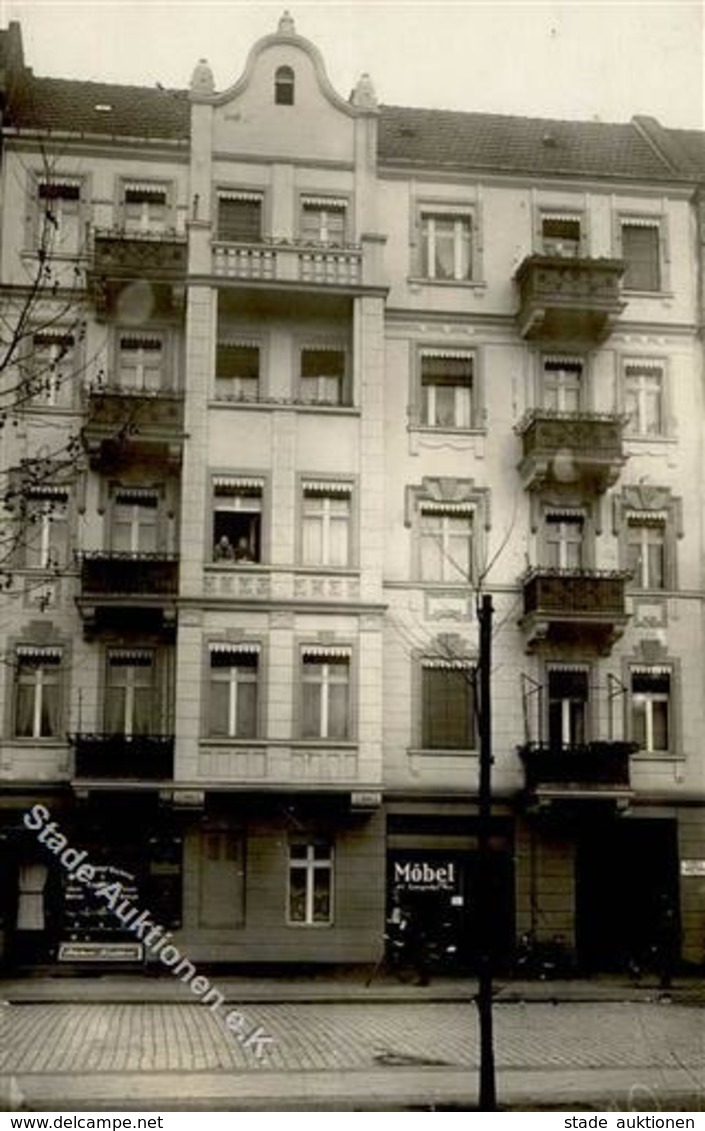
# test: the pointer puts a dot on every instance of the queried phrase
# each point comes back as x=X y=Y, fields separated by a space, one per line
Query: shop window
x=141 y=362
x=446 y=542
x=237 y=371
x=310 y=897
x=60 y=216
x=567 y=707
x=448 y=705
x=234 y=671
x=130 y=693
x=326 y=693
x=562 y=384
x=447 y=379
x=323 y=220
x=240 y=217
x=326 y=524
x=237 y=520
x=646 y=550
x=560 y=235
x=641 y=252
x=446 y=246
x=145 y=207
x=564 y=536
x=284 y=86
x=323 y=376
x=644 y=397
x=135 y=516
x=46 y=528
x=37 y=692
x=651 y=709
x=50 y=370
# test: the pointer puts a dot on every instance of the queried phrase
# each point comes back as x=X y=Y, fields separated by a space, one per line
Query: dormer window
x=284 y=86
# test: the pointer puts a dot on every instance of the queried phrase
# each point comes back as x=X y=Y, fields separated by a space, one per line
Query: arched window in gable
x=284 y=86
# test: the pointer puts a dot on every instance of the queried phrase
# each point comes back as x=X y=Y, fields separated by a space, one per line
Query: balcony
x=597 y=770
x=290 y=263
x=571 y=447
x=568 y=299
x=119 y=757
x=156 y=261
x=126 y=424
x=574 y=606
x=305 y=766
x=120 y=590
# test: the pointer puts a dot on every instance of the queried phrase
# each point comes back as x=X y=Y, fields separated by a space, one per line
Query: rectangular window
x=646 y=551
x=240 y=217
x=644 y=398
x=237 y=371
x=562 y=384
x=310 y=900
x=448 y=706
x=135 y=517
x=641 y=252
x=651 y=696
x=446 y=535
x=130 y=706
x=322 y=376
x=326 y=694
x=50 y=370
x=446 y=246
x=560 y=235
x=145 y=207
x=326 y=524
x=37 y=692
x=323 y=221
x=222 y=887
x=567 y=707
x=59 y=221
x=565 y=539
x=141 y=363
x=447 y=388
x=233 y=691
x=237 y=520
x=46 y=530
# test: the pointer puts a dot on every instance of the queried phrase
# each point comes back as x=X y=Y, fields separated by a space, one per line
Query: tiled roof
x=64 y=104
x=691 y=145
x=445 y=138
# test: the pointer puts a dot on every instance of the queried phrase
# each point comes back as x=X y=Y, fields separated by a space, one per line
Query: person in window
x=243 y=553
x=223 y=550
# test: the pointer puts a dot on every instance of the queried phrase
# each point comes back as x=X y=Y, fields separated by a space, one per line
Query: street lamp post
x=488 y=1094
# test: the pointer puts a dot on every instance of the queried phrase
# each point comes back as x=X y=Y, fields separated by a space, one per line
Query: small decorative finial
x=286 y=24
x=364 y=93
x=202 y=78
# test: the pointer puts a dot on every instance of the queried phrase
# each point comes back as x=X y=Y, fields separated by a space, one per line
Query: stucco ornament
x=286 y=25
x=364 y=93
x=202 y=81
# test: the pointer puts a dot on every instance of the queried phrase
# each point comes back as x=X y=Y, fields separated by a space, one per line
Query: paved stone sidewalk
x=181 y=1038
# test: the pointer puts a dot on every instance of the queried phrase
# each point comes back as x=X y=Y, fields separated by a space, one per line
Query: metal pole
x=488 y=1093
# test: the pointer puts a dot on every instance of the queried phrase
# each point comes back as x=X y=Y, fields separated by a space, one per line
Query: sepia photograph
x=352 y=559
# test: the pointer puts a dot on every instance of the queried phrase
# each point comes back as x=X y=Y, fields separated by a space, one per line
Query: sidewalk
x=92 y=986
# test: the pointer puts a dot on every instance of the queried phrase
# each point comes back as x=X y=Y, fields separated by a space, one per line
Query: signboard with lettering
x=425 y=875
x=692 y=867
x=100 y=952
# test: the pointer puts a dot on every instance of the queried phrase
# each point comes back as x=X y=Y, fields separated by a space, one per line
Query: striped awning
x=566 y=512
x=569 y=362
x=39 y=491
x=235 y=194
x=237 y=483
x=31 y=652
x=448 y=664
x=562 y=216
x=131 y=656
x=327 y=487
x=137 y=342
x=584 y=668
x=60 y=182
x=643 y=366
x=647 y=670
x=225 y=648
x=332 y=203
x=53 y=337
x=447 y=508
x=455 y=355
x=639 y=518
x=145 y=186
x=238 y=343
x=640 y=221
x=137 y=495
x=325 y=652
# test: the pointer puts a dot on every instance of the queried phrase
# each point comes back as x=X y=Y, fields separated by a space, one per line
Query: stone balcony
x=122 y=423
x=299 y=765
x=156 y=261
x=574 y=606
x=571 y=447
x=119 y=757
x=568 y=299
x=128 y=590
x=599 y=770
x=290 y=264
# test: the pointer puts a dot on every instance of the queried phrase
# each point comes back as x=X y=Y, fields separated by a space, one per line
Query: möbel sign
x=422 y=876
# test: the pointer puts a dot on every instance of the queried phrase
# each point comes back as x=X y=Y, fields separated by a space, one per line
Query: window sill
x=256 y=567
x=641 y=438
x=435 y=429
x=286 y=405
x=323 y=743
x=657 y=756
x=229 y=740
x=441 y=752
x=310 y=926
x=44 y=743
x=647 y=294
x=317 y=570
x=466 y=284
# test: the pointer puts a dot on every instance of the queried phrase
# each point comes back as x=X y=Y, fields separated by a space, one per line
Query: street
x=349 y=1056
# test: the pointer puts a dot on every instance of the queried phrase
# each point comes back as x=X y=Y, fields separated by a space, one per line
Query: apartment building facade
x=302 y=378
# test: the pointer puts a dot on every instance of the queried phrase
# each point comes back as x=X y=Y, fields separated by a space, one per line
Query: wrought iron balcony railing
x=138 y=757
x=589 y=765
